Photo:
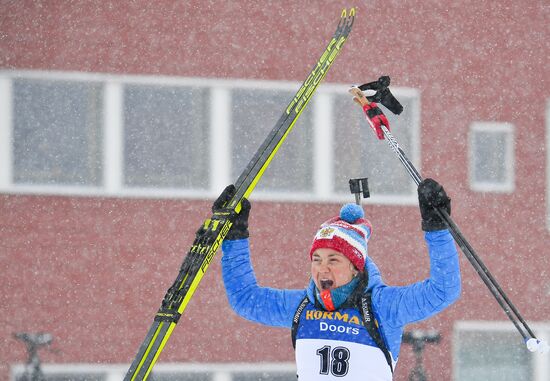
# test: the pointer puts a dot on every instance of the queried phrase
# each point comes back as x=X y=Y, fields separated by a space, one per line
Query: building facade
x=120 y=122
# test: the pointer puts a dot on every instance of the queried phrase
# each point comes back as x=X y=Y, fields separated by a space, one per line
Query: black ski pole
x=379 y=124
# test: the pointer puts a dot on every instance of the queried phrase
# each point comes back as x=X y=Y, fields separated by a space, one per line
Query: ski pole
x=476 y=262
x=379 y=124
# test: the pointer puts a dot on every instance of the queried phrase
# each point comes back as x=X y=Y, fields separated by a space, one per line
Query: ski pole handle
x=375 y=116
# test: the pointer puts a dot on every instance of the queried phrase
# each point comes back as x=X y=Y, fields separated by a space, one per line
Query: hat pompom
x=351 y=213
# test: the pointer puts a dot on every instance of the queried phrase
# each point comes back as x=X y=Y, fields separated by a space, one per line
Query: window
x=491 y=155
x=165 y=372
x=359 y=153
x=84 y=133
x=495 y=351
x=57 y=132
x=166 y=136
x=254 y=113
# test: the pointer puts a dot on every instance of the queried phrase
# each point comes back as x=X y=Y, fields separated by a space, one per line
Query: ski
x=214 y=229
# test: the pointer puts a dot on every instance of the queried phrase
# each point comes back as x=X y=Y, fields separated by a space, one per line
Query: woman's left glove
x=431 y=195
x=239 y=229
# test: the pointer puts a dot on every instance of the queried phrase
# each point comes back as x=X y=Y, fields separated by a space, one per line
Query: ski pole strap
x=383 y=94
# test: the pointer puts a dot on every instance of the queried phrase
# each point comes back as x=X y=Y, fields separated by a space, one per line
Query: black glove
x=239 y=229
x=431 y=195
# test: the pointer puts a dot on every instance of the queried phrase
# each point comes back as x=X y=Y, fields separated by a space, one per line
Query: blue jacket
x=393 y=307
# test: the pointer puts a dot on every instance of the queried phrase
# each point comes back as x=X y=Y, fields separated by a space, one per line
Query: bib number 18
x=334 y=360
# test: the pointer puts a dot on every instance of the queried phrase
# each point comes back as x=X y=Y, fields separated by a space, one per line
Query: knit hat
x=347 y=233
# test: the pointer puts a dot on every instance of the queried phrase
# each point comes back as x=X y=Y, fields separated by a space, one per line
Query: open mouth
x=326 y=284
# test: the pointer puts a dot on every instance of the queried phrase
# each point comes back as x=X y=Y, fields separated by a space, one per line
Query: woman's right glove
x=239 y=229
x=431 y=195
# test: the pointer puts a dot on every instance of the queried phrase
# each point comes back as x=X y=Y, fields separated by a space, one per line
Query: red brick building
x=121 y=121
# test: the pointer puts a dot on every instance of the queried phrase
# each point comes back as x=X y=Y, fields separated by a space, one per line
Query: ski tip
x=351 y=13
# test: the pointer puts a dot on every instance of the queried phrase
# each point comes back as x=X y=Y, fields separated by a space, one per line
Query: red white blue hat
x=349 y=234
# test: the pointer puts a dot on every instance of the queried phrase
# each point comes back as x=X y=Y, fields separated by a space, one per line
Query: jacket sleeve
x=398 y=306
x=269 y=306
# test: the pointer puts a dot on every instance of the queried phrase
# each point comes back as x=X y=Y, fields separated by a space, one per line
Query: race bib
x=324 y=360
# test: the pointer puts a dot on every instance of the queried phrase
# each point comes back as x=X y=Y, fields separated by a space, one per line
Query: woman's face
x=331 y=269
